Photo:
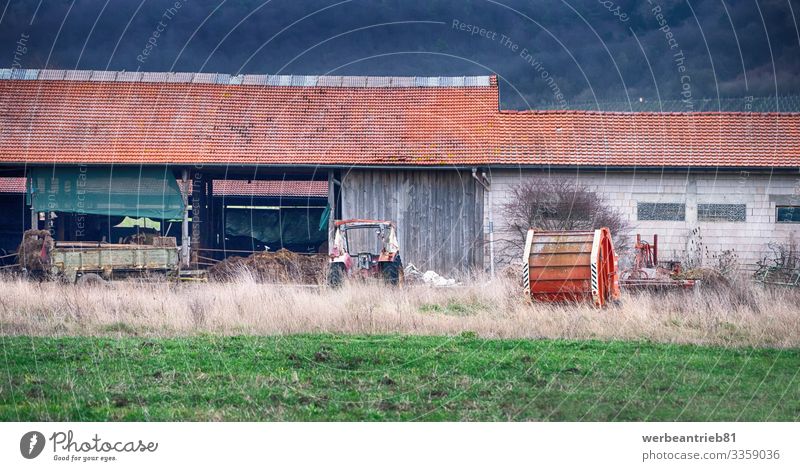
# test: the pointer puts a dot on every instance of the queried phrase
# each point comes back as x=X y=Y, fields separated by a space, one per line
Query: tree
x=560 y=204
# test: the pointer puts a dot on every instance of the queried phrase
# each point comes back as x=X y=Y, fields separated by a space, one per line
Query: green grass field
x=327 y=377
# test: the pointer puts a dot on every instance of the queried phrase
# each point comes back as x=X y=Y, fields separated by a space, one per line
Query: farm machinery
x=576 y=266
x=581 y=266
x=647 y=273
x=363 y=249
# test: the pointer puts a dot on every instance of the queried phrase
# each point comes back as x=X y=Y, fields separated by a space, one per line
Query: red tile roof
x=80 y=120
x=650 y=139
x=285 y=188
x=12 y=184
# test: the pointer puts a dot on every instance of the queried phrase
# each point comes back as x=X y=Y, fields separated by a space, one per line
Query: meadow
x=248 y=351
x=371 y=378
x=736 y=316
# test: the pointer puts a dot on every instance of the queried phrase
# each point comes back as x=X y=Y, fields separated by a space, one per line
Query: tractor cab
x=364 y=248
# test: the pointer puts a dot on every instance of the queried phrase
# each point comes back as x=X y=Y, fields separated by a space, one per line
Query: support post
x=210 y=233
x=655 y=250
x=185 y=241
x=48 y=223
x=34 y=214
x=198 y=215
x=332 y=211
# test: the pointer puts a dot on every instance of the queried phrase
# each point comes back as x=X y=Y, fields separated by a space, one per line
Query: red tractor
x=364 y=248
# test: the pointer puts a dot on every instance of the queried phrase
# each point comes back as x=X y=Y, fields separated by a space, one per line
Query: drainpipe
x=486 y=183
x=185 y=223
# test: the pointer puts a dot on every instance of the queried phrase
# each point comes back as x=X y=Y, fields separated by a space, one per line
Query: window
x=788 y=214
x=661 y=211
x=722 y=212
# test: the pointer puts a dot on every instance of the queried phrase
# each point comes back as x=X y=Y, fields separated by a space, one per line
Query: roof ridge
x=342 y=81
x=651 y=113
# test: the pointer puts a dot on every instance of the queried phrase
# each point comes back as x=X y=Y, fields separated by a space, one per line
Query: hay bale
x=226 y=270
x=33 y=253
x=282 y=266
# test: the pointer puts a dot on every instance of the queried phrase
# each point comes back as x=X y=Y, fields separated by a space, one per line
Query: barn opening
x=271 y=215
x=224 y=216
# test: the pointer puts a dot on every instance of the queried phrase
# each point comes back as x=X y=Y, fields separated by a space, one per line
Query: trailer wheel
x=336 y=275
x=393 y=272
x=90 y=279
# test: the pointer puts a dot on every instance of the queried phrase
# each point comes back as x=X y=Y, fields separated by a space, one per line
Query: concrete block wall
x=760 y=192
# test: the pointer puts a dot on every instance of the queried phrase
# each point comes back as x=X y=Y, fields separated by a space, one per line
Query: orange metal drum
x=571 y=266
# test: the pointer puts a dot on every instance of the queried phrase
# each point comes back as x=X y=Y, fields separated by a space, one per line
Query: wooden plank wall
x=439 y=214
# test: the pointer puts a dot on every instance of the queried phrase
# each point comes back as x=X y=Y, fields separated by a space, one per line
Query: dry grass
x=739 y=316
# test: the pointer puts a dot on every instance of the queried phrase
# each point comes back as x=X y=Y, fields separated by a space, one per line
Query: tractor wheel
x=336 y=275
x=90 y=279
x=393 y=272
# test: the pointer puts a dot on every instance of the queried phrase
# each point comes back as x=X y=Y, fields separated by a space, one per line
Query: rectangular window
x=661 y=211
x=722 y=212
x=788 y=214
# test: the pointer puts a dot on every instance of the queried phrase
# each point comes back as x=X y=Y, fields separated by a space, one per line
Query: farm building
x=263 y=160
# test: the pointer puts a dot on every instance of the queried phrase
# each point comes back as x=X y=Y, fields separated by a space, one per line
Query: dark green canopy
x=114 y=191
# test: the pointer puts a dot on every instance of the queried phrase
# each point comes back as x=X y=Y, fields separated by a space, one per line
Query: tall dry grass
x=744 y=314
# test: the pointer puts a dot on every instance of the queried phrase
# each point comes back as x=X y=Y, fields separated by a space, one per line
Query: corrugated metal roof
x=179 y=77
x=204 y=78
x=58 y=74
x=129 y=76
x=77 y=75
x=100 y=75
x=244 y=79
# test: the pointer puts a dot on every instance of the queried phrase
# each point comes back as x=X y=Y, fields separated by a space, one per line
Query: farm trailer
x=84 y=262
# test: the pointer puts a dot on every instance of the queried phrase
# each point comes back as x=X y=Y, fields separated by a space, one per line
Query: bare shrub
x=720 y=276
x=696 y=251
x=727 y=263
x=560 y=204
x=782 y=262
x=720 y=271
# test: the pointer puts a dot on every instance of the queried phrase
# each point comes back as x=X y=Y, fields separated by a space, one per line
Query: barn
x=237 y=163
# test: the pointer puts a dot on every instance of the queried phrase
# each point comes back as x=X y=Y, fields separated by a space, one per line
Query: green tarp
x=323 y=220
x=119 y=191
x=276 y=227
